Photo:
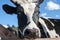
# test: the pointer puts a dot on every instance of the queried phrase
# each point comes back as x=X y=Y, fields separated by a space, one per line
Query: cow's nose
x=31 y=33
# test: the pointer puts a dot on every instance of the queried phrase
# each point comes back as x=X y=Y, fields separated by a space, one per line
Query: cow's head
x=27 y=13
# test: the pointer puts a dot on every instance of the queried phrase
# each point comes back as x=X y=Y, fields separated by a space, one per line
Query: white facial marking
x=24 y=1
x=29 y=8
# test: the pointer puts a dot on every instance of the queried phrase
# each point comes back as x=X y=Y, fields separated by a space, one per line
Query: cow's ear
x=40 y=1
x=9 y=9
x=14 y=2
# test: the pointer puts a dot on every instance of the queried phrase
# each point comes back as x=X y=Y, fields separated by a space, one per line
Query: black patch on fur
x=35 y=15
x=41 y=30
x=49 y=25
x=22 y=18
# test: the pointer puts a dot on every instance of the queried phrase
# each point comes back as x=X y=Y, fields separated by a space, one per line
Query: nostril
x=56 y=36
x=27 y=32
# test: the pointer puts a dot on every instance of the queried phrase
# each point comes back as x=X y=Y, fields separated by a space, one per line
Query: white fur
x=0 y=38
x=24 y=1
x=28 y=5
x=52 y=33
x=29 y=10
x=44 y=26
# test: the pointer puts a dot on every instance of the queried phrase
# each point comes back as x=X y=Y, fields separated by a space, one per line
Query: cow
x=10 y=29
x=27 y=14
x=5 y=34
x=50 y=27
x=30 y=25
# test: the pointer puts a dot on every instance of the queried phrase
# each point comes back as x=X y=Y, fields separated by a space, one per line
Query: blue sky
x=49 y=9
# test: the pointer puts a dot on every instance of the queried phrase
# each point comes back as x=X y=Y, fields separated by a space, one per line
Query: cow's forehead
x=24 y=1
x=28 y=5
x=29 y=8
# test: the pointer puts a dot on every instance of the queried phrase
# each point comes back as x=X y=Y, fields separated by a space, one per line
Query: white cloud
x=52 y=6
x=47 y=17
x=43 y=14
x=57 y=15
